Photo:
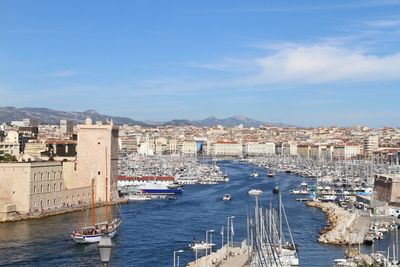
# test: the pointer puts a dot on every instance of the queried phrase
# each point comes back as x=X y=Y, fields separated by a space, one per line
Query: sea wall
x=341 y=225
x=54 y=212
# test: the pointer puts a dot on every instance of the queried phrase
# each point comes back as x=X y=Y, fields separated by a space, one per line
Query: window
x=41 y=203
x=54 y=201
x=34 y=176
x=48 y=176
x=48 y=202
x=98 y=172
x=60 y=186
x=34 y=189
x=41 y=176
x=41 y=189
x=54 y=187
x=34 y=204
x=48 y=187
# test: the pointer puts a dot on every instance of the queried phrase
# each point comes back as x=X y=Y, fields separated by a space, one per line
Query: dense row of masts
x=267 y=244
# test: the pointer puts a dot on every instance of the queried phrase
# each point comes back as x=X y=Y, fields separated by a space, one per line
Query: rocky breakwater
x=340 y=226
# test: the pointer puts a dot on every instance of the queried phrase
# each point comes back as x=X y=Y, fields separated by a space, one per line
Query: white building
x=188 y=148
x=370 y=144
x=259 y=149
x=66 y=126
x=226 y=148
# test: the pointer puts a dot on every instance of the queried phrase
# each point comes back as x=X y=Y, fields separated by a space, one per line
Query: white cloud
x=324 y=64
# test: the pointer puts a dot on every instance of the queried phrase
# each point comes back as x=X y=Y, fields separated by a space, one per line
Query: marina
x=166 y=226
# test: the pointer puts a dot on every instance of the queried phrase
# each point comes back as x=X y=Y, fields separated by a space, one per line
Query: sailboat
x=94 y=232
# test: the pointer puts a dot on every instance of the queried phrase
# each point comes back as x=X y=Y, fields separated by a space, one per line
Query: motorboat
x=275 y=190
x=255 y=192
x=227 y=197
x=139 y=197
x=254 y=174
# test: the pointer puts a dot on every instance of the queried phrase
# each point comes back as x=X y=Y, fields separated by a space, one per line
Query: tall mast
x=280 y=218
x=92 y=201
x=106 y=189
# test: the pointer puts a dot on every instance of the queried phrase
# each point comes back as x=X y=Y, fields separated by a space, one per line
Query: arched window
x=41 y=176
x=48 y=202
x=34 y=189
x=61 y=201
x=41 y=189
x=34 y=204
x=41 y=203
x=60 y=186
x=54 y=187
x=48 y=187
x=54 y=201
x=34 y=176
x=48 y=176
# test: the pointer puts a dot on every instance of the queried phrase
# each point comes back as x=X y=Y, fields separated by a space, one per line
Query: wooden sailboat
x=94 y=232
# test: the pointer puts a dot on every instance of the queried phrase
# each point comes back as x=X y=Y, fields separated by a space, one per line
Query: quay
x=238 y=257
x=61 y=210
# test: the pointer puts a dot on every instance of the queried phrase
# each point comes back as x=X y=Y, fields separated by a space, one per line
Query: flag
x=233 y=233
x=222 y=230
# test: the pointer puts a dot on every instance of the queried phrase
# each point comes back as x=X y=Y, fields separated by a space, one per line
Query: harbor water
x=153 y=230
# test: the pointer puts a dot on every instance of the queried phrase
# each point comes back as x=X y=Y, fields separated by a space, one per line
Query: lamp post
x=105 y=247
x=211 y=243
x=177 y=251
x=208 y=231
x=231 y=224
x=177 y=264
x=227 y=235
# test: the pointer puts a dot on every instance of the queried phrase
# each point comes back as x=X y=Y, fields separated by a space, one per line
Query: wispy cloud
x=64 y=73
x=383 y=23
x=300 y=7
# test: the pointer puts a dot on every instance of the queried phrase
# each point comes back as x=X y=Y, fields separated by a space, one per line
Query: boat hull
x=161 y=191
x=87 y=239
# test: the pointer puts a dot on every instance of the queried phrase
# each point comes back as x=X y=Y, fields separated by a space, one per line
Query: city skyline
x=303 y=64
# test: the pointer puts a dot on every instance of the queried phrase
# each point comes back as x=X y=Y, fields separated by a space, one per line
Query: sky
x=303 y=62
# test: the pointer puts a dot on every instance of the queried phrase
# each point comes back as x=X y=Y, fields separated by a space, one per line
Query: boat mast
x=92 y=201
x=280 y=218
x=106 y=189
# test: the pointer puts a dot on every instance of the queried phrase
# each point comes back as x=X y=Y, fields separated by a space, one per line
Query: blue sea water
x=152 y=230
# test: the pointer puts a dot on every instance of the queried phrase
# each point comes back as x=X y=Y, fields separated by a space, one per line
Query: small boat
x=227 y=197
x=255 y=192
x=139 y=197
x=271 y=174
x=369 y=239
x=197 y=245
x=276 y=189
x=254 y=174
x=94 y=232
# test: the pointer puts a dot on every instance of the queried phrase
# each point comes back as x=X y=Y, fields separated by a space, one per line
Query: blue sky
x=307 y=63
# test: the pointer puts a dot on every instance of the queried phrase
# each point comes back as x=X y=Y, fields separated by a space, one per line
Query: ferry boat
x=227 y=197
x=159 y=189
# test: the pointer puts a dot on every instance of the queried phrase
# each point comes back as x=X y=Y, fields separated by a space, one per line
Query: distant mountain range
x=44 y=115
